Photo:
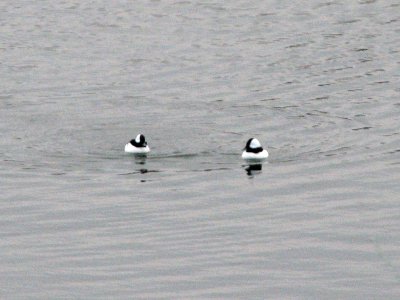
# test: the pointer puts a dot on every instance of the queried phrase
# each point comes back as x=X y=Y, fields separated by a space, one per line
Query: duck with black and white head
x=138 y=145
x=254 y=155
x=254 y=151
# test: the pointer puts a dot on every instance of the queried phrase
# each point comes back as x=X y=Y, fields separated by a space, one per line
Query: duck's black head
x=253 y=145
x=139 y=141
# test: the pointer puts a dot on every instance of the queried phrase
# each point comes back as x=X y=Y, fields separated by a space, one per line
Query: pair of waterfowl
x=252 y=151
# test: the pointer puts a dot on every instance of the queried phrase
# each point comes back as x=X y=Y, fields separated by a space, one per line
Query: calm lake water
x=317 y=82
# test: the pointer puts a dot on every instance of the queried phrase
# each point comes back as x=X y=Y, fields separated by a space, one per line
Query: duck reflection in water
x=253 y=169
x=141 y=160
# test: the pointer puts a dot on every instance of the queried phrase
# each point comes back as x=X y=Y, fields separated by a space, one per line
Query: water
x=316 y=82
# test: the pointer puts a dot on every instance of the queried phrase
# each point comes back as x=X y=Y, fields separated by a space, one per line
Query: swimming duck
x=138 y=145
x=254 y=151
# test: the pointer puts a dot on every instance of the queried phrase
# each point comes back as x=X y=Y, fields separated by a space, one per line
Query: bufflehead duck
x=138 y=145
x=254 y=151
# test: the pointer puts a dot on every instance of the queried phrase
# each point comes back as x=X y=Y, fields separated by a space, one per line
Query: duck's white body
x=138 y=150
x=255 y=156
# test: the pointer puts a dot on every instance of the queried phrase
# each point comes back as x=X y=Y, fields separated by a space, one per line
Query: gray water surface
x=316 y=82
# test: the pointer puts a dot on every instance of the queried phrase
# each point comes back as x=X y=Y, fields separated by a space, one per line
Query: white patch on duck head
x=137 y=139
x=255 y=144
